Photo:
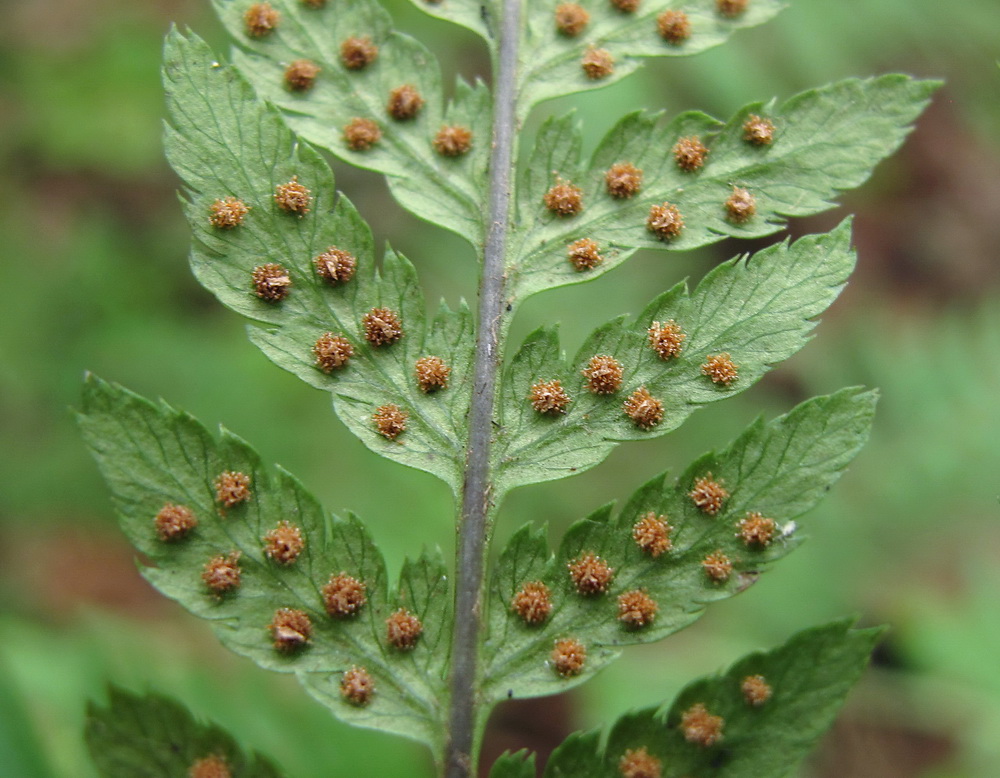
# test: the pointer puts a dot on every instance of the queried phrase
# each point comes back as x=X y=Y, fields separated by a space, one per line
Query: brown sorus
x=708 y=494
x=564 y=199
x=260 y=19
x=701 y=727
x=403 y=630
x=357 y=686
x=757 y=530
x=453 y=140
x=651 y=533
x=665 y=221
x=583 y=254
x=720 y=368
x=756 y=690
x=361 y=134
x=674 y=26
x=358 y=53
x=432 y=373
x=758 y=131
x=335 y=266
x=227 y=213
x=382 y=326
x=597 y=63
x=740 y=206
x=221 y=573
x=549 y=397
x=643 y=409
x=314 y=3
x=626 y=6
x=343 y=595
x=571 y=19
x=290 y=629
x=639 y=763
x=636 y=609
x=212 y=766
x=332 y=351
x=390 y=421
x=689 y=153
x=271 y=282
x=731 y=8
x=292 y=197
x=603 y=374
x=568 y=657
x=533 y=602
x=174 y=522
x=284 y=543
x=232 y=488
x=623 y=179
x=717 y=566
x=301 y=75
x=404 y=103
x=666 y=338
x=590 y=574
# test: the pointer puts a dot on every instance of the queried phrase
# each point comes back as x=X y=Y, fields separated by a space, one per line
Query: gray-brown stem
x=461 y=750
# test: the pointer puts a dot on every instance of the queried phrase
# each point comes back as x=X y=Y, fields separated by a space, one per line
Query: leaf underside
x=152 y=456
x=151 y=736
x=809 y=678
x=779 y=469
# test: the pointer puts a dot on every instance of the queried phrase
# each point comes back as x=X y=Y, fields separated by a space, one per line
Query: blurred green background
x=94 y=250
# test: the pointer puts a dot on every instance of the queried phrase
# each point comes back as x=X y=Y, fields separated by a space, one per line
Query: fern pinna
x=428 y=654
